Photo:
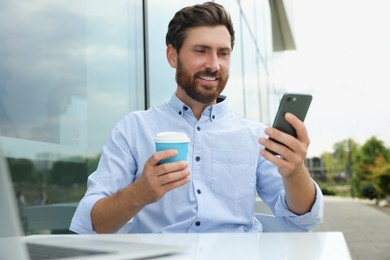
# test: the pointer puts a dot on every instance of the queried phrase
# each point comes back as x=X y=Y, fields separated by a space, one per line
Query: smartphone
x=297 y=104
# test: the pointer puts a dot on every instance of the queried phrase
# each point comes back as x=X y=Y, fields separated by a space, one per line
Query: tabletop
x=292 y=246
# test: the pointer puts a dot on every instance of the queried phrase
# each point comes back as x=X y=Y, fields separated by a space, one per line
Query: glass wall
x=69 y=70
x=162 y=82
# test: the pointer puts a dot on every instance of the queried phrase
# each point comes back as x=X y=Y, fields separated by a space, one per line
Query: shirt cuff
x=306 y=221
x=81 y=221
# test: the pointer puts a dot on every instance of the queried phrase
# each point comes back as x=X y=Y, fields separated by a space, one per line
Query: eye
x=199 y=50
x=224 y=53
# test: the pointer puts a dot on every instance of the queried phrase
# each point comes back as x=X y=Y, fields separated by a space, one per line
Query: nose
x=213 y=63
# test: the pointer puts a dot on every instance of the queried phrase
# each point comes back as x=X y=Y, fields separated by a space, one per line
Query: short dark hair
x=208 y=13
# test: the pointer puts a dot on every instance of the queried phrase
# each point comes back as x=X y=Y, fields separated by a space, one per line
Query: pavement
x=366 y=227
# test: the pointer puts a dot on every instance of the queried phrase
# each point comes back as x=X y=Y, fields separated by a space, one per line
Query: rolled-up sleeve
x=307 y=221
x=81 y=221
x=271 y=191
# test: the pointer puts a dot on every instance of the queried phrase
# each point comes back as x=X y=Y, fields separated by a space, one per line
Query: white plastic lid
x=171 y=137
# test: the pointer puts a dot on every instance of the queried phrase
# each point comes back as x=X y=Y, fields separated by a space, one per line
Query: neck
x=196 y=107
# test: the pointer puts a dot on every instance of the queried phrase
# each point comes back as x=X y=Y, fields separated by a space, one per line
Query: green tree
x=92 y=163
x=383 y=176
x=372 y=149
x=371 y=169
x=329 y=164
x=68 y=173
x=22 y=170
x=341 y=159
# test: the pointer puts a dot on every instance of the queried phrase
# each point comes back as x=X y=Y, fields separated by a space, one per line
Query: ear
x=171 y=56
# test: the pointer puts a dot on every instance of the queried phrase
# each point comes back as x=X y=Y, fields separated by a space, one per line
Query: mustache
x=209 y=73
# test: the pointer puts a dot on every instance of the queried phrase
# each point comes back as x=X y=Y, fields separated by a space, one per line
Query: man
x=214 y=190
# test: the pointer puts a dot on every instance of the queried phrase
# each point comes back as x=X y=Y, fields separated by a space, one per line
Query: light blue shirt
x=226 y=172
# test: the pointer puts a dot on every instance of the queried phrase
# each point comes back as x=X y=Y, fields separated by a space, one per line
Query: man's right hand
x=112 y=212
x=156 y=179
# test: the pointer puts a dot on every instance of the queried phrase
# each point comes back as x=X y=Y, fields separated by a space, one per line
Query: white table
x=248 y=246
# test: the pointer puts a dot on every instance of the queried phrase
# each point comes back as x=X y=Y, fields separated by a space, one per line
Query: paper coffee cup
x=172 y=140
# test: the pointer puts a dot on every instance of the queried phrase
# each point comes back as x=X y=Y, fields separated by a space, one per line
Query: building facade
x=69 y=70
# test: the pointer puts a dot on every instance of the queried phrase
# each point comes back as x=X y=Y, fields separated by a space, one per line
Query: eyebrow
x=208 y=47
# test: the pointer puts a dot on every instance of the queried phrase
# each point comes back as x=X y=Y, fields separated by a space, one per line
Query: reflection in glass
x=69 y=70
x=162 y=82
x=43 y=77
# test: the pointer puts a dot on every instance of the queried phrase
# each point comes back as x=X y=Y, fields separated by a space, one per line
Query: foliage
x=63 y=180
x=326 y=190
x=68 y=173
x=377 y=177
x=340 y=160
x=372 y=170
x=367 y=168
x=372 y=149
x=22 y=170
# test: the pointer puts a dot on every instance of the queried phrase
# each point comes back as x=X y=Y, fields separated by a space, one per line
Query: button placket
x=197 y=170
x=197 y=157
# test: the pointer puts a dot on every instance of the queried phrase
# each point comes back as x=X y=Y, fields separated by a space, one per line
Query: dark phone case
x=297 y=104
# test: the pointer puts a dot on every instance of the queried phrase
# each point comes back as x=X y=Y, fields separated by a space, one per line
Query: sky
x=343 y=60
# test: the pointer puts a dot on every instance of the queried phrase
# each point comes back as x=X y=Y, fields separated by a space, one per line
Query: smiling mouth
x=208 y=78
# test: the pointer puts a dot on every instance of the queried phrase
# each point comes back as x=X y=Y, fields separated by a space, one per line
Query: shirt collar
x=212 y=112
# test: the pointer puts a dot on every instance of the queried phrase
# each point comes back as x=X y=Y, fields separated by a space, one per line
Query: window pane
x=162 y=82
x=69 y=70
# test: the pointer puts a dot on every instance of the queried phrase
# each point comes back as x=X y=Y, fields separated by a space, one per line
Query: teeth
x=208 y=78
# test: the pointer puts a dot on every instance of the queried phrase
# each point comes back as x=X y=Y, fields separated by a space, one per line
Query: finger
x=171 y=167
x=275 y=159
x=299 y=126
x=173 y=185
x=286 y=165
x=272 y=145
x=277 y=139
x=285 y=151
x=174 y=176
x=288 y=147
x=161 y=155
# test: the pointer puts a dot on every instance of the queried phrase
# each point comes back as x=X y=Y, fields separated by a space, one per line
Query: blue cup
x=172 y=140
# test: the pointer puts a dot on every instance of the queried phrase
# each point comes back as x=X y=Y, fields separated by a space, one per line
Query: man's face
x=202 y=68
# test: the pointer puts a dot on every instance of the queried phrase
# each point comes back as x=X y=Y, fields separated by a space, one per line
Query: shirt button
x=179 y=112
x=197 y=158
x=185 y=107
x=198 y=128
x=198 y=191
x=197 y=223
x=213 y=117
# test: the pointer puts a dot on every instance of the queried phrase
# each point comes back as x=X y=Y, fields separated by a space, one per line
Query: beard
x=201 y=93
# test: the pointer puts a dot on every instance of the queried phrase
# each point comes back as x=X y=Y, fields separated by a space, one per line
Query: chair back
x=55 y=218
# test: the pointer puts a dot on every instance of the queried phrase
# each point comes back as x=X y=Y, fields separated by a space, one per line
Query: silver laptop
x=13 y=245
